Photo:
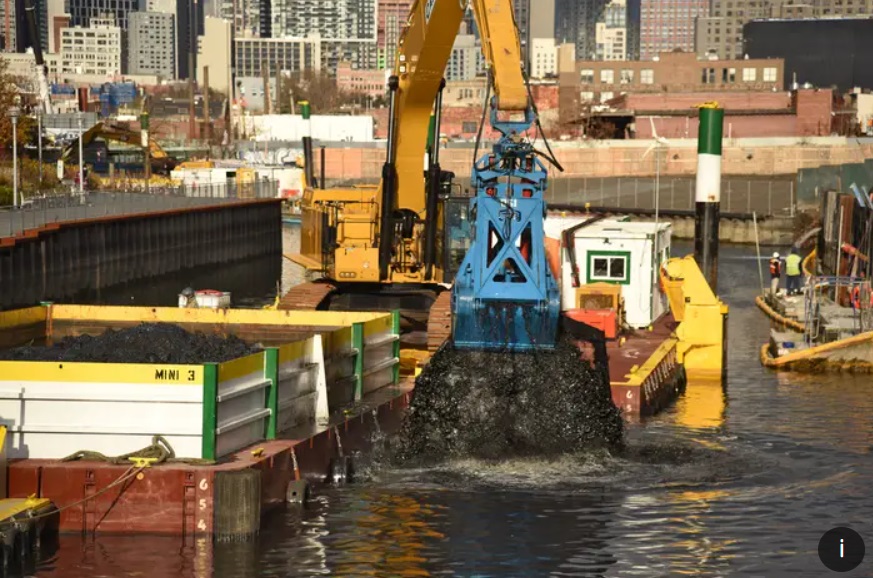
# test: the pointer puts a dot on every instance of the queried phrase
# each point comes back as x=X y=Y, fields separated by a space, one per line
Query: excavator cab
x=458 y=230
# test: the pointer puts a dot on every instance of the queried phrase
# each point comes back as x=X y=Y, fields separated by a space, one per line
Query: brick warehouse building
x=747 y=115
x=600 y=81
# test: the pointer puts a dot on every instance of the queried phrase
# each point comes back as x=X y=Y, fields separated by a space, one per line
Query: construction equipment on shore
x=400 y=244
x=161 y=162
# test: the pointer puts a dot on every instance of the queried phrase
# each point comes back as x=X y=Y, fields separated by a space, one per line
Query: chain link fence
x=766 y=197
x=64 y=206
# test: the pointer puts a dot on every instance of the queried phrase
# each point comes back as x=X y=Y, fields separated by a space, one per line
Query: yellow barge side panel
x=325 y=319
x=638 y=375
x=22 y=507
x=701 y=314
x=23 y=326
x=21 y=317
x=77 y=372
x=3 y=462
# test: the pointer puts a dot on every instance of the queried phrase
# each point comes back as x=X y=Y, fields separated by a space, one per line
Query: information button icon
x=841 y=549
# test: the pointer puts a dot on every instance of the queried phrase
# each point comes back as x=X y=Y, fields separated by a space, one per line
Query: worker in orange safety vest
x=775 y=273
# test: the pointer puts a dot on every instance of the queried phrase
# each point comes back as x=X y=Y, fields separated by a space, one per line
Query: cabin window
x=609 y=267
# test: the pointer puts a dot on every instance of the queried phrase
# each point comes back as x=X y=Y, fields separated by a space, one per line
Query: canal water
x=741 y=481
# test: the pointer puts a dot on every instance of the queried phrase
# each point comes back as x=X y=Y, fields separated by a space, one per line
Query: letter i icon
x=841 y=547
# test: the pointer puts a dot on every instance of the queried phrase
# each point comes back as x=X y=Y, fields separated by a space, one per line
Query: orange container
x=605 y=320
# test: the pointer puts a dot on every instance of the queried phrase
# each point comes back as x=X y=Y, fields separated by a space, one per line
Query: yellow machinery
x=702 y=318
x=161 y=162
x=388 y=246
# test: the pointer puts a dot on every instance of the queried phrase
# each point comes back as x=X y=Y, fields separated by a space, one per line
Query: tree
x=9 y=97
x=314 y=86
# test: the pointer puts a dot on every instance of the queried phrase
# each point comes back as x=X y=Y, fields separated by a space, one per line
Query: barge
x=830 y=326
x=237 y=438
x=662 y=324
x=204 y=450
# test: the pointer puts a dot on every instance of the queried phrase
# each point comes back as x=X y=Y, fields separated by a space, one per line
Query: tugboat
x=663 y=327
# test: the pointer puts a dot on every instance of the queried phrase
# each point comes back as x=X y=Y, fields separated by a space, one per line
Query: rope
x=160 y=450
x=131 y=472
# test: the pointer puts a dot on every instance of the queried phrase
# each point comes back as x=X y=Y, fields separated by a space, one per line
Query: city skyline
x=365 y=33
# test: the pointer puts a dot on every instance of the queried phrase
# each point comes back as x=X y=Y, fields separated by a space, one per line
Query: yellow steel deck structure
x=13 y=509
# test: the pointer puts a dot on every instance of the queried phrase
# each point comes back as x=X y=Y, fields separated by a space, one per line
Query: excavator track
x=439 y=322
x=306 y=296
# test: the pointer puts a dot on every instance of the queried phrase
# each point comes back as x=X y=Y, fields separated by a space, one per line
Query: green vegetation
x=28 y=179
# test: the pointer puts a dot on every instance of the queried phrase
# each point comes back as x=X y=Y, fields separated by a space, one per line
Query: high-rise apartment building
x=352 y=23
x=542 y=19
x=93 y=51
x=667 y=25
x=576 y=23
x=188 y=21
x=189 y=26
x=467 y=60
x=392 y=16
x=721 y=34
x=543 y=58
x=522 y=20
x=617 y=22
x=171 y=7
x=152 y=44
x=215 y=50
x=611 y=32
x=83 y=11
x=252 y=18
x=253 y=55
x=7 y=25
x=56 y=18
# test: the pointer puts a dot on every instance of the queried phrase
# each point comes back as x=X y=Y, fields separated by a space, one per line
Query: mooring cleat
x=142 y=462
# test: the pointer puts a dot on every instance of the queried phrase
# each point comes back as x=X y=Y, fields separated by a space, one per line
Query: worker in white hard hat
x=775 y=273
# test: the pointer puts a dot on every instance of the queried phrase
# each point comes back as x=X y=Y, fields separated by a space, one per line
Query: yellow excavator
x=403 y=243
x=161 y=162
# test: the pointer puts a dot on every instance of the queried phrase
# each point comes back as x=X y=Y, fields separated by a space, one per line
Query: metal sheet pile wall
x=60 y=260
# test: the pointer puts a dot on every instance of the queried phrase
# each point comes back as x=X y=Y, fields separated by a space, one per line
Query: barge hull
x=179 y=499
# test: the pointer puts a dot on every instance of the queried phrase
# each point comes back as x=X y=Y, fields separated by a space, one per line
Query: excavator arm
x=384 y=239
x=505 y=295
x=409 y=207
x=116 y=133
x=502 y=48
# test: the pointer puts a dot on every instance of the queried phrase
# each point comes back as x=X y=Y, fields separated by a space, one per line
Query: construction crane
x=398 y=245
x=45 y=100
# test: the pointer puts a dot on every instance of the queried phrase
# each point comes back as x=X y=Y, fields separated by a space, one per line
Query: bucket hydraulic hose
x=389 y=186
x=433 y=189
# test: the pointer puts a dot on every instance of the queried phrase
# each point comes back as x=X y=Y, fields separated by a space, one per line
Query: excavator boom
x=375 y=245
x=505 y=295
